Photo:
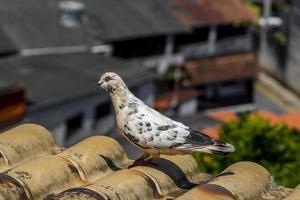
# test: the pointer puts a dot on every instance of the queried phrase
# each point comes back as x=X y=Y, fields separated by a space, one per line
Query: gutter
x=97 y=49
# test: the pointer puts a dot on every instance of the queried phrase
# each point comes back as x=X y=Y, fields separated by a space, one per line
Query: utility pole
x=264 y=29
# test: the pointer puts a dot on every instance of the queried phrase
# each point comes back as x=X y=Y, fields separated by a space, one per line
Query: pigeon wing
x=150 y=129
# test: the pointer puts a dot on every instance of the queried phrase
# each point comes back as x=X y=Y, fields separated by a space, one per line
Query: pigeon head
x=111 y=82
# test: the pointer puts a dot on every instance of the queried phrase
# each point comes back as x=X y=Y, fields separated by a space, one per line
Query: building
x=220 y=42
x=65 y=45
x=278 y=52
x=293 y=60
x=272 y=36
x=58 y=49
x=64 y=86
x=130 y=28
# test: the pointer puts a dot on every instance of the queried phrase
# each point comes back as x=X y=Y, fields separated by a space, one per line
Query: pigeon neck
x=122 y=99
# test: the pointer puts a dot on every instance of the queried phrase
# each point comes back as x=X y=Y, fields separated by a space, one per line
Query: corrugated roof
x=6 y=45
x=199 y=13
x=34 y=168
x=77 y=73
x=232 y=67
x=36 y=24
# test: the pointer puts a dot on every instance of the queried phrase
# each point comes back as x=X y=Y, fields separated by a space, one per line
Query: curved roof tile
x=96 y=169
x=25 y=143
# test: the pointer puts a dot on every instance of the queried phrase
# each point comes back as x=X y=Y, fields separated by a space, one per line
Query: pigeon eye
x=107 y=78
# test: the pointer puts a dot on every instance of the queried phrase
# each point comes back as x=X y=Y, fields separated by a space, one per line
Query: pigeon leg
x=151 y=157
x=144 y=160
x=138 y=162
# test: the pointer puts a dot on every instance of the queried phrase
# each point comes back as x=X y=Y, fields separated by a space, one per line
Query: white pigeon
x=151 y=131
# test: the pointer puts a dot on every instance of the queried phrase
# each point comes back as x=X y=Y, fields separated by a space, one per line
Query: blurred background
x=229 y=68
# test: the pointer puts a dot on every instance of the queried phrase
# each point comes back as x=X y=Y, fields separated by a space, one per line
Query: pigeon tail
x=218 y=147
x=200 y=142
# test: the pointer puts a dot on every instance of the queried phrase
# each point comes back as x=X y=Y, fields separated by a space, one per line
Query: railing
x=231 y=45
x=237 y=44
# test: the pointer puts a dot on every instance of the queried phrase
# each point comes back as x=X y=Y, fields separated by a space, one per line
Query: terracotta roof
x=33 y=167
x=165 y=101
x=272 y=117
x=232 y=67
x=223 y=115
x=212 y=131
x=291 y=119
x=208 y=12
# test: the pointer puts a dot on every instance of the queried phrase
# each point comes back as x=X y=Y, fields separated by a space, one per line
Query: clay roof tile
x=96 y=169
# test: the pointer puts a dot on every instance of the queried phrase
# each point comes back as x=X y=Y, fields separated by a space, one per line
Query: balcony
x=232 y=45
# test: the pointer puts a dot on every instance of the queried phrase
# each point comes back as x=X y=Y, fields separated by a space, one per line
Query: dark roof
x=199 y=13
x=6 y=45
x=35 y=24
x=134 y=18
x=55 y=78
x=34 y=167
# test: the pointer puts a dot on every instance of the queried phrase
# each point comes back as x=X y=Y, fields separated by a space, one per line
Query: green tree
x=276 y=147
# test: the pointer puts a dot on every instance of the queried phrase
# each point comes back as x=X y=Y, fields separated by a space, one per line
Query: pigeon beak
x=99 y=85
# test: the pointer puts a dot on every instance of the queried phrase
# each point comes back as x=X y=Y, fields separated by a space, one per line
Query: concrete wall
x=293 y=65
x=289 y=71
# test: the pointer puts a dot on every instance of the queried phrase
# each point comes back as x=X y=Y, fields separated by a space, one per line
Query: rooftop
x=33 y=24
x=291 y=119
x=199 y=13
x=231 y=67
x=77 y=73
x=6 y=45
x=219 y=116
x=33 y=167
x=36 y=24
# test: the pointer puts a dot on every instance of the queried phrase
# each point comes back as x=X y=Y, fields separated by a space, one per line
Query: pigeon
x=150 y=130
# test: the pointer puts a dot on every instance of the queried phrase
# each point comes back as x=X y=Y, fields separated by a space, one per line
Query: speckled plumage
x=151 y=131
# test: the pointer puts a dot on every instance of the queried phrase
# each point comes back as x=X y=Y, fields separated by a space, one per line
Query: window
x=102 y=110
x=73 y=125
x=140 y=47
x=199 y=35
x=227 y=31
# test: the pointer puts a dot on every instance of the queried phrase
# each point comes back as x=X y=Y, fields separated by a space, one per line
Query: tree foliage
x=276 y=147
